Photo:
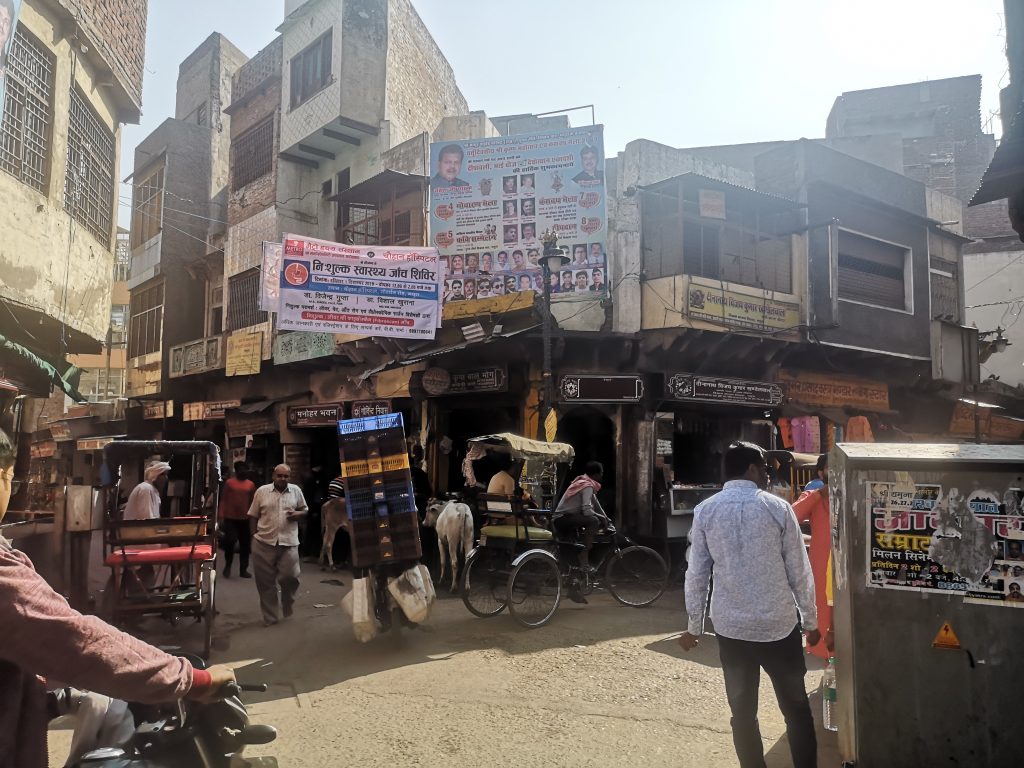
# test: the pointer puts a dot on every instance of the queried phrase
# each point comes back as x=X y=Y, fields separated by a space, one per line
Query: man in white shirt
x=144 y=500
x=751 y=540
x=502 y=483
x=273 y=518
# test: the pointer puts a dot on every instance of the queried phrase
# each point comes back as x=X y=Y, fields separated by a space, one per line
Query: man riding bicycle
x=579 y=509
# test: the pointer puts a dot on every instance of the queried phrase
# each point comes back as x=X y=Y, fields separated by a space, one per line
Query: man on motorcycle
x=44 y=638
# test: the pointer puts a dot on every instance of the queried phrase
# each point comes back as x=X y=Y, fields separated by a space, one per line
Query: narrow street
x=602 y=685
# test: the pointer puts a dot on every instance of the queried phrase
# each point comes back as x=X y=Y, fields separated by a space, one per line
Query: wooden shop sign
x=363 y=408
x=594 y=388
x=712 y=389
x=316 y=415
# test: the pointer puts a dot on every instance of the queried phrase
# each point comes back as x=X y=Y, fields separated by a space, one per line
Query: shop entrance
x=464 y=423
x=592 y=434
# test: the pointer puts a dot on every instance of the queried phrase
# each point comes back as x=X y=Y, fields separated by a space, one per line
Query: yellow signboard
x=740 y=310
x=834 y=391
x=550 y=426
x=245 y=353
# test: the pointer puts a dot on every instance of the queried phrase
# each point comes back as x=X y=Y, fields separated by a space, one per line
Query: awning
x=524 y=448
x=369 y=192
x=67 y=381
x=1005 y=174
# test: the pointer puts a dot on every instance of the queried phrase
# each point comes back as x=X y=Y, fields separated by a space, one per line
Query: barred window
x=147 y=207
x=25 y=129
x=244 y=300
x=252 y=154
x=89 y=185
x=144 y=330
x=122 y=258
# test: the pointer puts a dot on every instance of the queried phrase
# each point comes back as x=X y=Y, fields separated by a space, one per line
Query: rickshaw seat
x=519 y=532
x=181 y=554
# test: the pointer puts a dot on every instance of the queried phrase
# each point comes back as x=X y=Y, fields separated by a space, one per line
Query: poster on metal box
x=907 y=534
x=374 y=291
x=491 y=200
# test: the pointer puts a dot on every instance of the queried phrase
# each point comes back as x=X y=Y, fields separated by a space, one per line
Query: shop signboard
x=386 y=291
x=436 y=381
x=594 y=388
x=94 y=443
x=238 y=423
x=364 y=408
x=906 y=532
x=43 y=450
x=492 y=199
x=316 y=415
x=493 y=378
x=244 y=355
x=712 y=389
x=829 y=391
x=740 y=310
x=60 y=431
x=207 y=410
x=158 y=410
x=711 y=203
x=297 y=346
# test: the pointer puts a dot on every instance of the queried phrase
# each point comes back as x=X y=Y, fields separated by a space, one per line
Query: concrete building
x=73 y=78
x=179 y=205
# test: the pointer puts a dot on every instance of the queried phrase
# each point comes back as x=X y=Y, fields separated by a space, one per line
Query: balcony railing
x=262 y=66
x=197 y=356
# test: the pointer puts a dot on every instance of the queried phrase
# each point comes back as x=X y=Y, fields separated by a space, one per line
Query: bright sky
x=681 y=72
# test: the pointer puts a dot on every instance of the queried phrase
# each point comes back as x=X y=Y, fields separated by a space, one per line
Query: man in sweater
x=751 y=540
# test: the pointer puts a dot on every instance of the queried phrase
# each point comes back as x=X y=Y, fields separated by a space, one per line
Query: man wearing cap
x=144 y=501
x=273 y=518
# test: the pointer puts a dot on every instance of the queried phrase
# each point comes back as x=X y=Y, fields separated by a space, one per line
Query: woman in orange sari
x=812 y=506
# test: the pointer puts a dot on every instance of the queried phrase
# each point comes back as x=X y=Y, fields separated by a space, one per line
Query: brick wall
x=118 y=28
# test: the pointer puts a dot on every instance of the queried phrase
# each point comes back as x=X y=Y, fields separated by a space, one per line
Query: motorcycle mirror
x=257 y=734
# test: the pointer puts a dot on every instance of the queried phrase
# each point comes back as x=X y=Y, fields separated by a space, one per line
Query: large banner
x=369 y=290
x=8 y=21
x=492 y=199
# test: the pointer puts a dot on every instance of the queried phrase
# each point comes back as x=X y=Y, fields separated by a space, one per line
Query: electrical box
x=928 y=547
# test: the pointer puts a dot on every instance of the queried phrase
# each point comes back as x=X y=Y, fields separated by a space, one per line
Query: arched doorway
x=591 y=432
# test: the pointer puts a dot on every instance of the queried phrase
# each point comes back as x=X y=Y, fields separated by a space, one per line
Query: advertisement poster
x=904 y=523
x=492 y=199
x=368 y=290
x=8 y=22
x=740 y=310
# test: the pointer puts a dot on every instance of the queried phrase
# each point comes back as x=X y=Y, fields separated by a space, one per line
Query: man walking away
x=235 y=500
x=751 y=541
x=273 y=520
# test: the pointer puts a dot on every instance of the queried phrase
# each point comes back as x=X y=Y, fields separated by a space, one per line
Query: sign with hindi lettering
x=316 y=415
x=834 y=391
x=713 y=389
x=364 y=408
x=245 y=353
x=733 y=309
x=298 y=345
x=492 y=199
x=371 y=291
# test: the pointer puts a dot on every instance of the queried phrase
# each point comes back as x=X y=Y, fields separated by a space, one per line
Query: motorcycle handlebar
x=236 y=688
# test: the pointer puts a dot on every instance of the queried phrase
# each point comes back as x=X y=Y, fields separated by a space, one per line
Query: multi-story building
x=74 y=76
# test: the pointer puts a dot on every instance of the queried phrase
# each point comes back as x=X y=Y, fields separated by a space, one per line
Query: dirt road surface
x=601 y=685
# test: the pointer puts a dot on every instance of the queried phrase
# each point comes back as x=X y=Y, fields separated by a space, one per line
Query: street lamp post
x=552 y=261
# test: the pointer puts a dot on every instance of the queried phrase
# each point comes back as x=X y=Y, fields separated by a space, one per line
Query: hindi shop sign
x=371 y=291
x=711 y=389
x=297 y=346
x=316 y=415
x=740 y=310
x=204 y=411
x=361 y=409
x=491 y=200
x=834 y=391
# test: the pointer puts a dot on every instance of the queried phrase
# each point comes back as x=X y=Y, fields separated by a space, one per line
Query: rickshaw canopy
x=118 y=451
x=520 y=447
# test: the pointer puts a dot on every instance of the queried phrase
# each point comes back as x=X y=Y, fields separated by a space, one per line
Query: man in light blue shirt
x=752 y=543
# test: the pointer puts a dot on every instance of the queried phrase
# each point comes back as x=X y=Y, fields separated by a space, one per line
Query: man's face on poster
x=589 y=160
x=449 y=165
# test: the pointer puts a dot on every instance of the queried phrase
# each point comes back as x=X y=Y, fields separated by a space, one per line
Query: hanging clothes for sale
x=806 y=434
x=858 y=430
x=786 y=433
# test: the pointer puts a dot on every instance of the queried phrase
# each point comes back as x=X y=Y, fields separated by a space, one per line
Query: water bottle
x=828 y=696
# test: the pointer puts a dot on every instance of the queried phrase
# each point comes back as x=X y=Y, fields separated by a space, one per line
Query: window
x=311 y=70
x=147 y=208
x=201 y=114
x=144 y=329
x=101 y=385
x=944 y=274
x=89 y=185
x=215 y=306
x=252 y=154
x=118 y=325
x=25 y=129
x=244 y=300
x=122 y=258
x=872 y=271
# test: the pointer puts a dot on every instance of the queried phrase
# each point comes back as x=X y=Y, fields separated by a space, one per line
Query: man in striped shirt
x=336 y=489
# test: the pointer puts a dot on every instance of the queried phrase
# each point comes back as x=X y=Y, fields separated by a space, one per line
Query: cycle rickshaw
x=164 y=567
x=518 y=562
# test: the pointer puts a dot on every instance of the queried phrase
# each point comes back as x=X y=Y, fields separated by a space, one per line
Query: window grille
x=147 y=208
x=144 y=331
x=243 y=300
x=26 y=121
x=252 y=154
x=122 y=259
x=89 y=184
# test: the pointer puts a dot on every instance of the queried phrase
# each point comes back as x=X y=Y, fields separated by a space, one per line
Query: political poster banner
x=387 y=291
x=8 y=22
x=491 y=200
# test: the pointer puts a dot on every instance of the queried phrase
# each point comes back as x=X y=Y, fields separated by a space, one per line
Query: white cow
x=453 y=522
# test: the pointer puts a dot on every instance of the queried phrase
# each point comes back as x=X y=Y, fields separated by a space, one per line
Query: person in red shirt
x=235 y=500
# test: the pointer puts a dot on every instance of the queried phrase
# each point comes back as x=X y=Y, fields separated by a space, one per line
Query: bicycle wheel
x=485 y=582
x=636 y=576
x=534 y=589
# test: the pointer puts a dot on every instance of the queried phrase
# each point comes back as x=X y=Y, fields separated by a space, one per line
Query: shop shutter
x=872 y=271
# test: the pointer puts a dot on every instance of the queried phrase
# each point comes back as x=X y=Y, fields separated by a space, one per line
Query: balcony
x=197 y=356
